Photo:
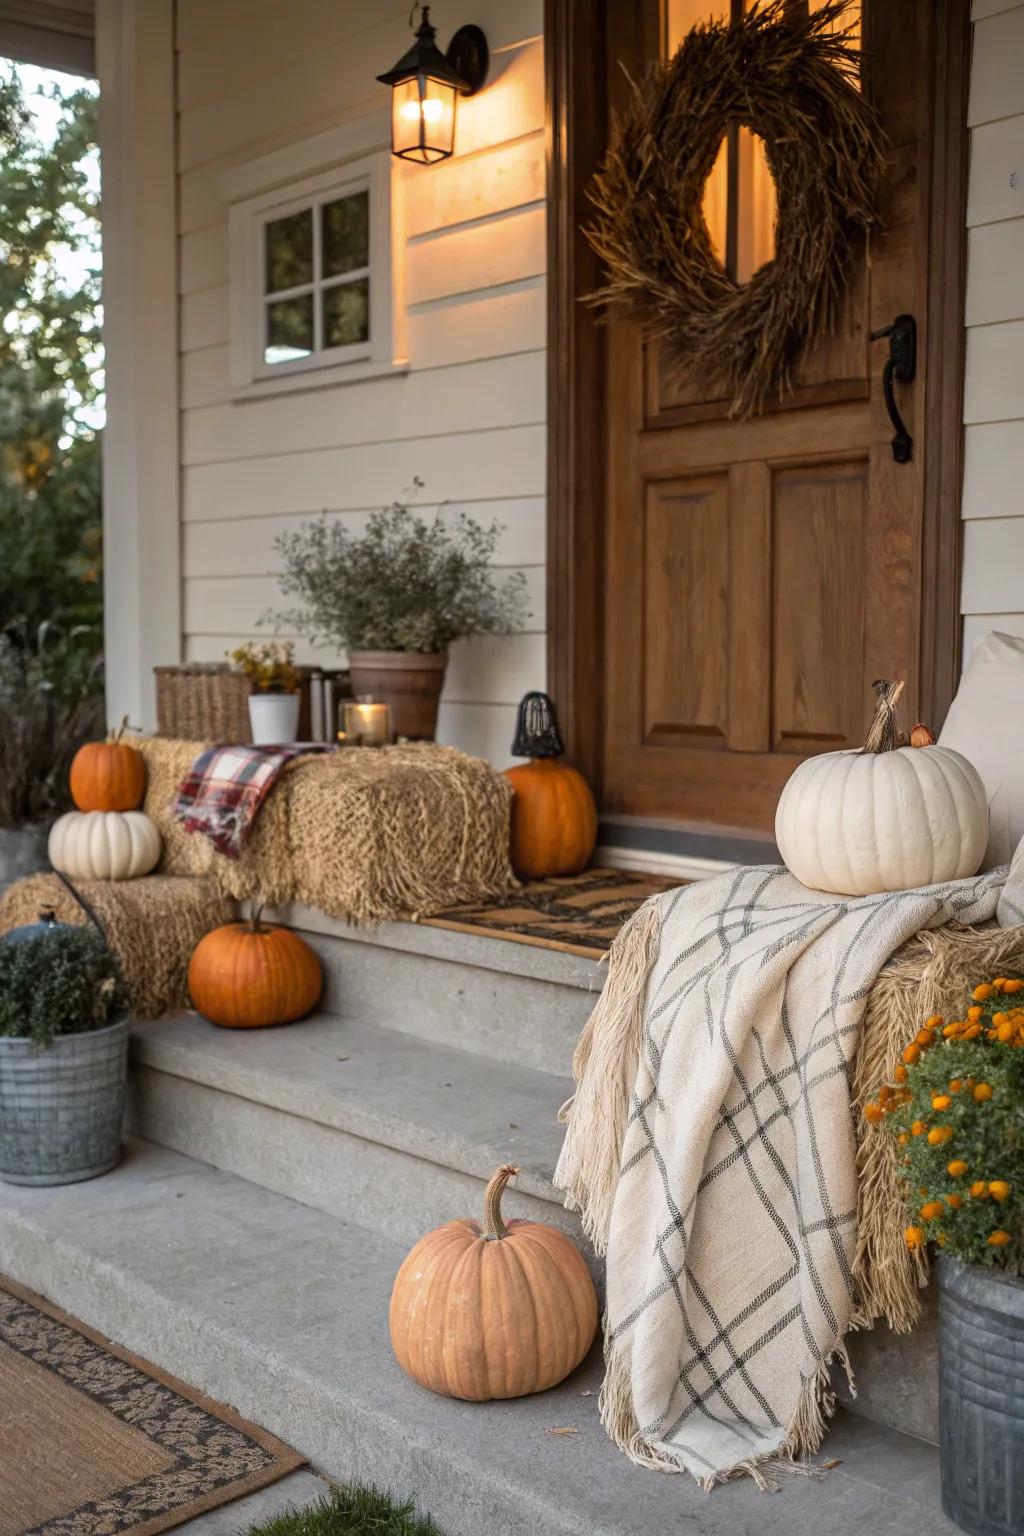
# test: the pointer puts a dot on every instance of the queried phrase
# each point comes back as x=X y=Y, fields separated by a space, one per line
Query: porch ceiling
x=58 y=34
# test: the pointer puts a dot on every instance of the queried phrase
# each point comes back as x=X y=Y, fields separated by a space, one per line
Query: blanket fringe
x=605 y=1066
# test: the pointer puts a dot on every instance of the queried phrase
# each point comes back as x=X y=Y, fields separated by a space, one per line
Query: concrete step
x=370 y=1124
x=298 y=1491
x=510 y=1002
x=282 y=1311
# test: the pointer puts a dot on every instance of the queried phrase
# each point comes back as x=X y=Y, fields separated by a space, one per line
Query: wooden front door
x=759 y=574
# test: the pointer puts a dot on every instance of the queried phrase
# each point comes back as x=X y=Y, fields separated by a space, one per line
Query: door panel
x=760 y=574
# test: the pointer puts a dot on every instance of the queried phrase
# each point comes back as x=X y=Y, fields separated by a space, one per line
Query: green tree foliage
x=50 y=385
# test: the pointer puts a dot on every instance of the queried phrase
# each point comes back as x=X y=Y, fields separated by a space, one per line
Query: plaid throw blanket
x=711 y=1150
x=224 y=789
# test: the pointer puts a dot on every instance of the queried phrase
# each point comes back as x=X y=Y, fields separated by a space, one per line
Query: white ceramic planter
x=274 y=718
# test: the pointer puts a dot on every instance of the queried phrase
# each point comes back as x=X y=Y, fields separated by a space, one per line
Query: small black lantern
x=425 y=85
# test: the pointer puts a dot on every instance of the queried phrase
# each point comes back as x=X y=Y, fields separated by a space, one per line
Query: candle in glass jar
x=365 y=723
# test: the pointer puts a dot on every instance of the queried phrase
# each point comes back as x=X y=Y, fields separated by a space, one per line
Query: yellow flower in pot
x=274 y=702
x=396 y=597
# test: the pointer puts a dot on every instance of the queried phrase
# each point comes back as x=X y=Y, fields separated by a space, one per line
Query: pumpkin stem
x=494 y=1225
x=116 y=736
x=883 y=735
x=254 y=918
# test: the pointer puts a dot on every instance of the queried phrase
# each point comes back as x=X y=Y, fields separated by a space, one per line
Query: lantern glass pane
x=346 y=234
x=346 y=313
x=289 y=247
x=423 y=119
x=289 y=329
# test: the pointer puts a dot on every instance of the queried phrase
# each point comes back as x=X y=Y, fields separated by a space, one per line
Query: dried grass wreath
x=788 y=76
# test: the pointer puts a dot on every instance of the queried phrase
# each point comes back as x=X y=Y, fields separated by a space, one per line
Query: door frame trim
x=575 y=33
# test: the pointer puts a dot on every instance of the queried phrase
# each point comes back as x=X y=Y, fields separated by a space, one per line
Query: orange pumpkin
x=246 y=975
x=554 y=818
x=108 y=775
x=493 y=1310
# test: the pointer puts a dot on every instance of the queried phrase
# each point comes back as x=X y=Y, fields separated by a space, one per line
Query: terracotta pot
x=409 y=682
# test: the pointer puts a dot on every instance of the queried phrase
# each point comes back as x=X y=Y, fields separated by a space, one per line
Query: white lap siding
x=993 y=502
x=467 y=418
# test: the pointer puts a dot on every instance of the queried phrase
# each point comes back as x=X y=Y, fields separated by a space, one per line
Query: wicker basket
x=202 y=703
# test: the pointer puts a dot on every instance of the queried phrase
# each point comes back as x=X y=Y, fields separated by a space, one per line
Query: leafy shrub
x=403 y=585
x=957 y=1113
x=61 y=982
x=48 y=706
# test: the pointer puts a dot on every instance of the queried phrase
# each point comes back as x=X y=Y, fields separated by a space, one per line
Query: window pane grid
x=321 y=238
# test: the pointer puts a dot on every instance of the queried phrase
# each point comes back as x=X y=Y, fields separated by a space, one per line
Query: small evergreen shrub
x=61 y=982
x=956 y=1110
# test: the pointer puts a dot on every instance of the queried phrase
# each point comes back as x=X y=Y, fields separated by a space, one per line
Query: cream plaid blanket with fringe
x=711 y=1150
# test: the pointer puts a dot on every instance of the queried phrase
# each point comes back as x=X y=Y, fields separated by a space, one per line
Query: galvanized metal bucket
x=62 y=1109
x=981 y=1398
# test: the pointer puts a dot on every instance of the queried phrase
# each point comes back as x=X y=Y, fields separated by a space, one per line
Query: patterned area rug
x=580 y=914
x=94 y=1442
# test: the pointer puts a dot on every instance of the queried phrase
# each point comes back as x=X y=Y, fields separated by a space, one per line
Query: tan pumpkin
x=247 y=975
x=492 y=1310
x=554 y=818
x=108 y=775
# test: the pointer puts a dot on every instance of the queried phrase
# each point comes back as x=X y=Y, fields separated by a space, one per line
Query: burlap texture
x=365 y=835
x=152 y=924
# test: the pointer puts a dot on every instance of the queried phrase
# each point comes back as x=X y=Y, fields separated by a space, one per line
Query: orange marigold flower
x=957 y=1168
x=952 y=1029
x=998 y=1238
x=954 y=1202
x=914 y=1237
x=972 y=1032
x=999 y=1189
x=912 y=1053
x=975 y=1013
x=982 y=993
x=874 y=1114
x=955 y=1084
x=941 y=1101
x=903 y=1138
x=1005 y=1032
x=1012 y=986
x=933 y=1022
x=900 y=1075
x=931 y=1209
x=939 y=1135
x=982 y=1092
x=979 y=1189
x=918 y=1128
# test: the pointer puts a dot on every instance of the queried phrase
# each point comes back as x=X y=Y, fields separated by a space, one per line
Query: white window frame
x=251 y=376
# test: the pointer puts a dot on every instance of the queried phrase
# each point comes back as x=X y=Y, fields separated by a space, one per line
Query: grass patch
x=350 y=1512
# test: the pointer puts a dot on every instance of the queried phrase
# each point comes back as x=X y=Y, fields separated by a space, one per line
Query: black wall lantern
x=425 y=84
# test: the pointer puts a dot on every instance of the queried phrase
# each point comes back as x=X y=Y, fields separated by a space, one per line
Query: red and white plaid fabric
x=224 y=789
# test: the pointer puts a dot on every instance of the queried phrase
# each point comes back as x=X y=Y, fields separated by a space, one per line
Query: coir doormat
x=94 y=1441
x=580 y=914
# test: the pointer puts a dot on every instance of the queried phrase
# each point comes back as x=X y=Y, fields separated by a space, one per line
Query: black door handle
x=901 y=364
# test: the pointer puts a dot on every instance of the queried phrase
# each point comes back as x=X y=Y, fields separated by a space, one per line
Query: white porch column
x=141 y=532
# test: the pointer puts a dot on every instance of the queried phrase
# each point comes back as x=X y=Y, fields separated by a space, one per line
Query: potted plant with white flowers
x=956 y=1110
x=63 y=1054
x=395 y=597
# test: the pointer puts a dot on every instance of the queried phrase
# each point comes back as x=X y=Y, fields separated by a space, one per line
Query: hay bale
x=932 y=973
x=364 y=835
x=152 y=925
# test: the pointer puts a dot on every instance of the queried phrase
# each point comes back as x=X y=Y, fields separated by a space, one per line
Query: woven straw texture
x=367 y=835
x=203 y=701
x=102 y=1443
x=153 y=925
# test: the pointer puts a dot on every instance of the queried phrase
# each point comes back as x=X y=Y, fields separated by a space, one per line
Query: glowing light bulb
x=433 y=110
x=410 y=111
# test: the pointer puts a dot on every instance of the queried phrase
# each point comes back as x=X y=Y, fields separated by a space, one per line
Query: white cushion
x=986 y=723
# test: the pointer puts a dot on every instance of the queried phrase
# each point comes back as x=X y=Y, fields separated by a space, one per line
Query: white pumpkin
x=882 y=819
x=104 y=845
